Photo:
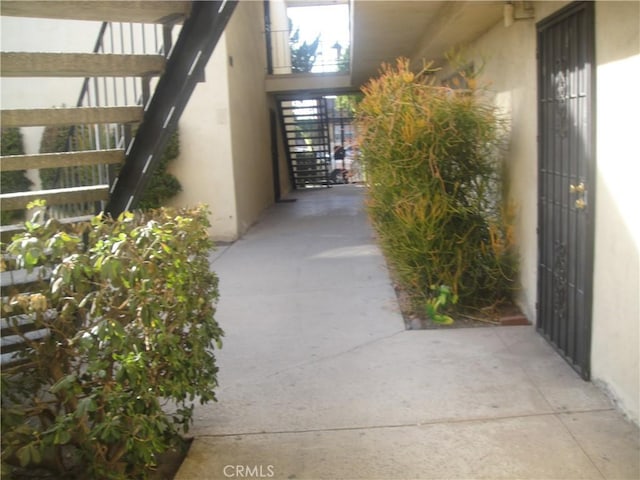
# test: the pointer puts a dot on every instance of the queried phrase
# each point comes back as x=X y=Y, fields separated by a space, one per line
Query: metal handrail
x=279 y=63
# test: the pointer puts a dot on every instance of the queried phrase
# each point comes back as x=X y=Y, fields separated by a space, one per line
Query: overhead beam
x=145 y=11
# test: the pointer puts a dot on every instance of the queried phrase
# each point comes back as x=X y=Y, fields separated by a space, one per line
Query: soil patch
x=170 y=461
x=504 y=314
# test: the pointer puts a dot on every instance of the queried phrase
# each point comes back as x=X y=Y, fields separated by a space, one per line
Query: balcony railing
x=288 y=57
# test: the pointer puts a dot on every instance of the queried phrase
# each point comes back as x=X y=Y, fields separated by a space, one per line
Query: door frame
x=584 y=369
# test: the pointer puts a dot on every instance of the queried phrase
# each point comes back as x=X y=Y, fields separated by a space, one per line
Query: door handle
x=580 y=188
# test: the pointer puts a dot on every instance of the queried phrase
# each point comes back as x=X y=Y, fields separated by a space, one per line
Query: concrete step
x=70 y=116
x=146 y=11
x=65 y=159
x=21 y=64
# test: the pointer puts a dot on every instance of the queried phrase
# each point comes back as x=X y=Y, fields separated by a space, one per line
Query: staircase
x=120 y=125
x=305 y=127
x=137 y=83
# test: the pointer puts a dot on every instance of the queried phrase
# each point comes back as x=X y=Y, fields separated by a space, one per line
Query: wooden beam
x=58 y=196
x=70 y=116
x=64 y=159
x=18 y=64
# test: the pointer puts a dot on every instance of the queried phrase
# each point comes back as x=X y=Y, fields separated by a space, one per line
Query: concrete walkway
x=319 y=379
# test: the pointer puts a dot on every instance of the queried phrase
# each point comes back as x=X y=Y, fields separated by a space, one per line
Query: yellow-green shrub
x=431 y=155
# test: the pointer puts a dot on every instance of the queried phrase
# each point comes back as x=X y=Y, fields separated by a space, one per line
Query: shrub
x=161 y=187
x=431 y=155
x=129 y=306
x=15 y=181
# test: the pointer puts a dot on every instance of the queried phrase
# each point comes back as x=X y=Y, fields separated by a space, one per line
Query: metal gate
x=566 y=182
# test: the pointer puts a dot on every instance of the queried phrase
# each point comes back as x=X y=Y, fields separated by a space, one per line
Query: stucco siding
x=616 y=302
x=205 y=164
x=510 y=76
x=249 y=113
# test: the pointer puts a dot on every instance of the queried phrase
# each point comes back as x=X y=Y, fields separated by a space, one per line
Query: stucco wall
x=280 y=49
x=225 y=158
x=510 y=71
x=204 y=166
x=616 y=301
x=249 y=113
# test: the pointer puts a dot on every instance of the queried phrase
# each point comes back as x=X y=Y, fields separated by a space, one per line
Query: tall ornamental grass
x=432 y=159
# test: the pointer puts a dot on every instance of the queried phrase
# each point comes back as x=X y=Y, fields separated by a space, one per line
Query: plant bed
x=170 y=461
x=506 y=314
x=433 y=154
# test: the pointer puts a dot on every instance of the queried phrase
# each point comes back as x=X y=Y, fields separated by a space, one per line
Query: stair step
x=320 y=142
x=23 y=277
x=304 y=117
x=319 y=148
x=17 y=324
x=316 y=132
x=70 y=116
x=307 y=129
x=13 y=343
x=294 y=120
x=58 y=160
x=146 y=11
x=58 y=196
x=308 y=184
x=311 y=176
x=8 y=231
x=19 y=64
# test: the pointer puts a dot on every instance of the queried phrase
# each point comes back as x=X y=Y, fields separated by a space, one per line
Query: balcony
x=308 y=48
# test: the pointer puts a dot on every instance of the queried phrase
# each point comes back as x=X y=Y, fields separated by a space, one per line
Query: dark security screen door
x=566 y=182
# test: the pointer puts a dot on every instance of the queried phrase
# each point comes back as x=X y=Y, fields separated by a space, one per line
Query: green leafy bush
x=130 y=307
x=161 y=187
x=431 y=155
x=15 y=181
